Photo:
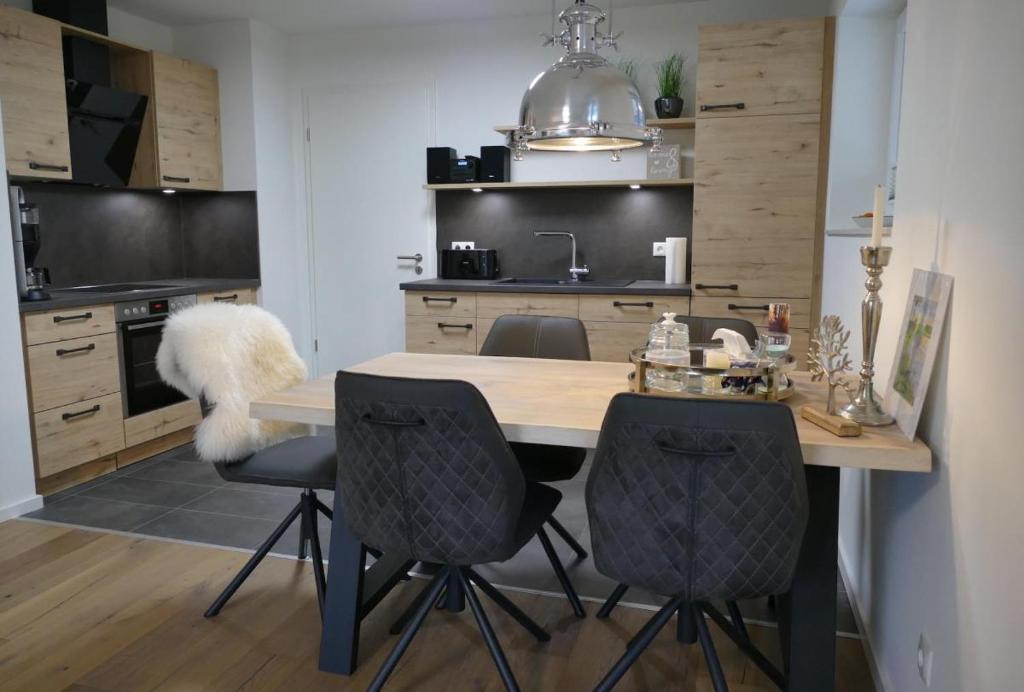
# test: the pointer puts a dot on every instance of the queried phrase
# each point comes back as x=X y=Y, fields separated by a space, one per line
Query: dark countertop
x=181 y=287
x=641 y=287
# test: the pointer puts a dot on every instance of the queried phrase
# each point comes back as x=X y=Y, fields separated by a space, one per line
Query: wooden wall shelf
x=557 y=184
x=663 y=123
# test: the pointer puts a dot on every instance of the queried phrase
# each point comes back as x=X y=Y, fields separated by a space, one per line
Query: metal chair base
x=309 y=536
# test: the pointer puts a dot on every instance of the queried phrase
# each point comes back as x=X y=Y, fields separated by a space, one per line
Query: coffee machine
x=32 y=280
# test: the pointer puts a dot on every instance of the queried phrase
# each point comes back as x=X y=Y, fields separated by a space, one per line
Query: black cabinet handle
x=721 y=287
x=57 y=319
x=69 y=351
x=620 y=304
x=734 y=306
x=445 y=325
x=452 y=300
x=76 y=414
x=176 y=179
x=224 y=299
x=722 y=106
x=36 y=166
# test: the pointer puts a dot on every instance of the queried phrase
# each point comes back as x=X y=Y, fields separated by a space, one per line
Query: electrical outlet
x=463 y=245
x=659 y=249
x=924 y=660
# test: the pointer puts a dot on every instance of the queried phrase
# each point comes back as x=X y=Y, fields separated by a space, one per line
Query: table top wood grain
x=564 y=402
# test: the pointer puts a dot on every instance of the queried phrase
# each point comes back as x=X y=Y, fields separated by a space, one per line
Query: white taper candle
x=879 y=217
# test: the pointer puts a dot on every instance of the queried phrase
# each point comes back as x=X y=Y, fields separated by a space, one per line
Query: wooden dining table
x=564 y=403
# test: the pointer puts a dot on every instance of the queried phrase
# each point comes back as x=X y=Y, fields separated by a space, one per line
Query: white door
x=366 y=165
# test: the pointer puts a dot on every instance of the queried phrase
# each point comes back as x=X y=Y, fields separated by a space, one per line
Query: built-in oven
x=140 y=327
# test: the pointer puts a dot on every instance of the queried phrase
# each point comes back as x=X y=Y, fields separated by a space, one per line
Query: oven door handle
x=143 y=325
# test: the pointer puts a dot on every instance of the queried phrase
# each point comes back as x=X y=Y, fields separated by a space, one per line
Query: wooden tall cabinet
x=761 y=169
x=35 y=119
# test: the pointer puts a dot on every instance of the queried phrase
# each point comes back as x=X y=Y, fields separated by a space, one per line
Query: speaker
x=495 y=165
x=464 y=170
x=439 y=163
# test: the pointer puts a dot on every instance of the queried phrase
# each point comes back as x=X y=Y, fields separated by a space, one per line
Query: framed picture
x=917 y=346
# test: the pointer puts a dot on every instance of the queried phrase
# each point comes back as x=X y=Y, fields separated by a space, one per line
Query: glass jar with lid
x=669 y=343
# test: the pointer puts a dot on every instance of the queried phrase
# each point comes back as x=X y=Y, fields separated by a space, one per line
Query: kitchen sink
x=618 y=283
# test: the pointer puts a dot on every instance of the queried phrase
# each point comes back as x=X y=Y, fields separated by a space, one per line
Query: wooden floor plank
x=95 y=612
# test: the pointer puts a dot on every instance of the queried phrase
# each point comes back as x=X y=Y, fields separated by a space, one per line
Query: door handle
x=721 y=287
x=177 y=179
x=734 y=306
x=417 y=258
x=39 y=166
x=77 y=414
x=69 y=351
x=446 y=325
x=645 y=304
x=57 y=319
x=721 y=106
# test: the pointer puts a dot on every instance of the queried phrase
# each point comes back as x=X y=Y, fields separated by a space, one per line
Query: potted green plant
x=669 y=103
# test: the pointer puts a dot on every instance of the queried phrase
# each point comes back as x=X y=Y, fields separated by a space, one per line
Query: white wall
x=943 y=553
x=17 y=479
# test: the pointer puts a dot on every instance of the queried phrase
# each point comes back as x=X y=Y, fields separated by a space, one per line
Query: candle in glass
x=879 y=217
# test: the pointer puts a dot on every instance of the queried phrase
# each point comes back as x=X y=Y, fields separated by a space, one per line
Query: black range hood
x=104 y=123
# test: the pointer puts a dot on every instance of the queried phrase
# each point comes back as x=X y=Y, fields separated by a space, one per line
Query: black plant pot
x=668 y=106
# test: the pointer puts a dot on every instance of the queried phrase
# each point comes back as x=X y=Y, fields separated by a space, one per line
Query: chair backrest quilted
x=537 y=336
x=700 y=499
x=424 y=469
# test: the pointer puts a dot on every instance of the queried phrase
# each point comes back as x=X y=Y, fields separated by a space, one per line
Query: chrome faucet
x=575 y=272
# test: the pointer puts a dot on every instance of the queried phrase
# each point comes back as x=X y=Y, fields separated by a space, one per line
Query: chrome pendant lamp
x=582 y=103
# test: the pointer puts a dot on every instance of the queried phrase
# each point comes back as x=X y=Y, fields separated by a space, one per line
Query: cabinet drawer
x=771 y=67
x=153 y=424
x=612 y=341
x=72 y=435
x=498 y=304
x=753 y=309
x=70 y=323
x=439 y=304
x=70 y=371
x=631 y=308
x=425 y=334
x=239 y=296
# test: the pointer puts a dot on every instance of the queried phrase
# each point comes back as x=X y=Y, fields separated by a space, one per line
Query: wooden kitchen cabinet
x=771 y=68
x=71 y=435
x=67 y=372
x=35 y=117
x=238 y=296
x=187 y=107
x=426 y=334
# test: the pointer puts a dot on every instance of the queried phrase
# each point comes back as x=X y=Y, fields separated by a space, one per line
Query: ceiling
x=301 y=16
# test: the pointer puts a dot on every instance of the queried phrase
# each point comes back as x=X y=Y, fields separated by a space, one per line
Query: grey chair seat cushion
x=303 y=462
x=548 y=463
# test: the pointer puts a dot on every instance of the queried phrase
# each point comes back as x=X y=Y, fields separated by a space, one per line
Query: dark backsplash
x=98 y=235
x=614 y=228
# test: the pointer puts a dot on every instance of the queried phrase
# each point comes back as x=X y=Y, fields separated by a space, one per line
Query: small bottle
x=668 y=343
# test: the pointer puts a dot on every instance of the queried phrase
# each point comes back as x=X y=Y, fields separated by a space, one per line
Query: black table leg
x=351 y=593
x=808 y=611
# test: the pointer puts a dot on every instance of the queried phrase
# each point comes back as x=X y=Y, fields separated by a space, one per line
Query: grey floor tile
x=178 y=472
x=147 y=492
x=216 y=529
x=98 y=513
x=245 y=503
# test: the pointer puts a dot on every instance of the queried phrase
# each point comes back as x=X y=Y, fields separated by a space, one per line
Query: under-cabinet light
x=168 y=191
x=478 y=189
x=634 y=187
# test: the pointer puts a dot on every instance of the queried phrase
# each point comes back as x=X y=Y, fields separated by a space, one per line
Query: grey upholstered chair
x=698 y=501
x=425 y=472
x=534 y=336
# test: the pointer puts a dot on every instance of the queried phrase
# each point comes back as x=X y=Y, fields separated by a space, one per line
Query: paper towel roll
x=675 y=260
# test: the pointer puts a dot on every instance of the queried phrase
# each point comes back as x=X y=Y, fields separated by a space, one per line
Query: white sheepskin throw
x=230 y=354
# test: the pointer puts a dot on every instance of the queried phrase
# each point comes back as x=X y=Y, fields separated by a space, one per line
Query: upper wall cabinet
x=187 y=99
x=763 y=68
x=35 y=119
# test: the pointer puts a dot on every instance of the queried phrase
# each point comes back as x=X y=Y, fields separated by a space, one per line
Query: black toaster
x=469 y=264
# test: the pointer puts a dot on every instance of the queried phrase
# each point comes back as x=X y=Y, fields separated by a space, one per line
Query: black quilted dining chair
x=425 y=472
x=697 y=501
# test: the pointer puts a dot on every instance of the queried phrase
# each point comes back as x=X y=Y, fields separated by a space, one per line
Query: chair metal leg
x=612 y=601
x=640 y=642
x=455 y=599
x=321 y=507
x=303 y=528
x=256 y=559
x=432 y=591
x=686 y=628
x=313 y=531
x=737 y=618
x=399 y=624
x=567 y=586
x=746 y=646
x=708 y=646
x=489 y=637
x=567 y=537
x=508 y=606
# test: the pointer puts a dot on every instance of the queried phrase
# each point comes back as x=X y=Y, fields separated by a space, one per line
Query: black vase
x=668 y=106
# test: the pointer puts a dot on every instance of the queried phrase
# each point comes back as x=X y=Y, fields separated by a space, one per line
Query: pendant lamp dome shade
x=582 y=103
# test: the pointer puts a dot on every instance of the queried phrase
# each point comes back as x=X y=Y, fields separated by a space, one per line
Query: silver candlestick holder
x=864 y=407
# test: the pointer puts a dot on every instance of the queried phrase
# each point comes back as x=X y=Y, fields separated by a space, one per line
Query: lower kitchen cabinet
x=613 y=341
x=74 y=434
x=71 y=371
x=153 y=424
x=238 y=296
x=428 y=334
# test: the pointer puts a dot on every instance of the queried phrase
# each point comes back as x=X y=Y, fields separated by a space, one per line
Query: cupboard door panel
x=425 y=334
x=631 y=308
x=754 y=310
x=72 y=435
x=613 y=341
x=67 y=372
x=439 y=304
x=755 y=206
x=188 y=123
x=35 y=117
x=238 y=296
x=553 y=304
x=68 y=323
x=771 y=67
